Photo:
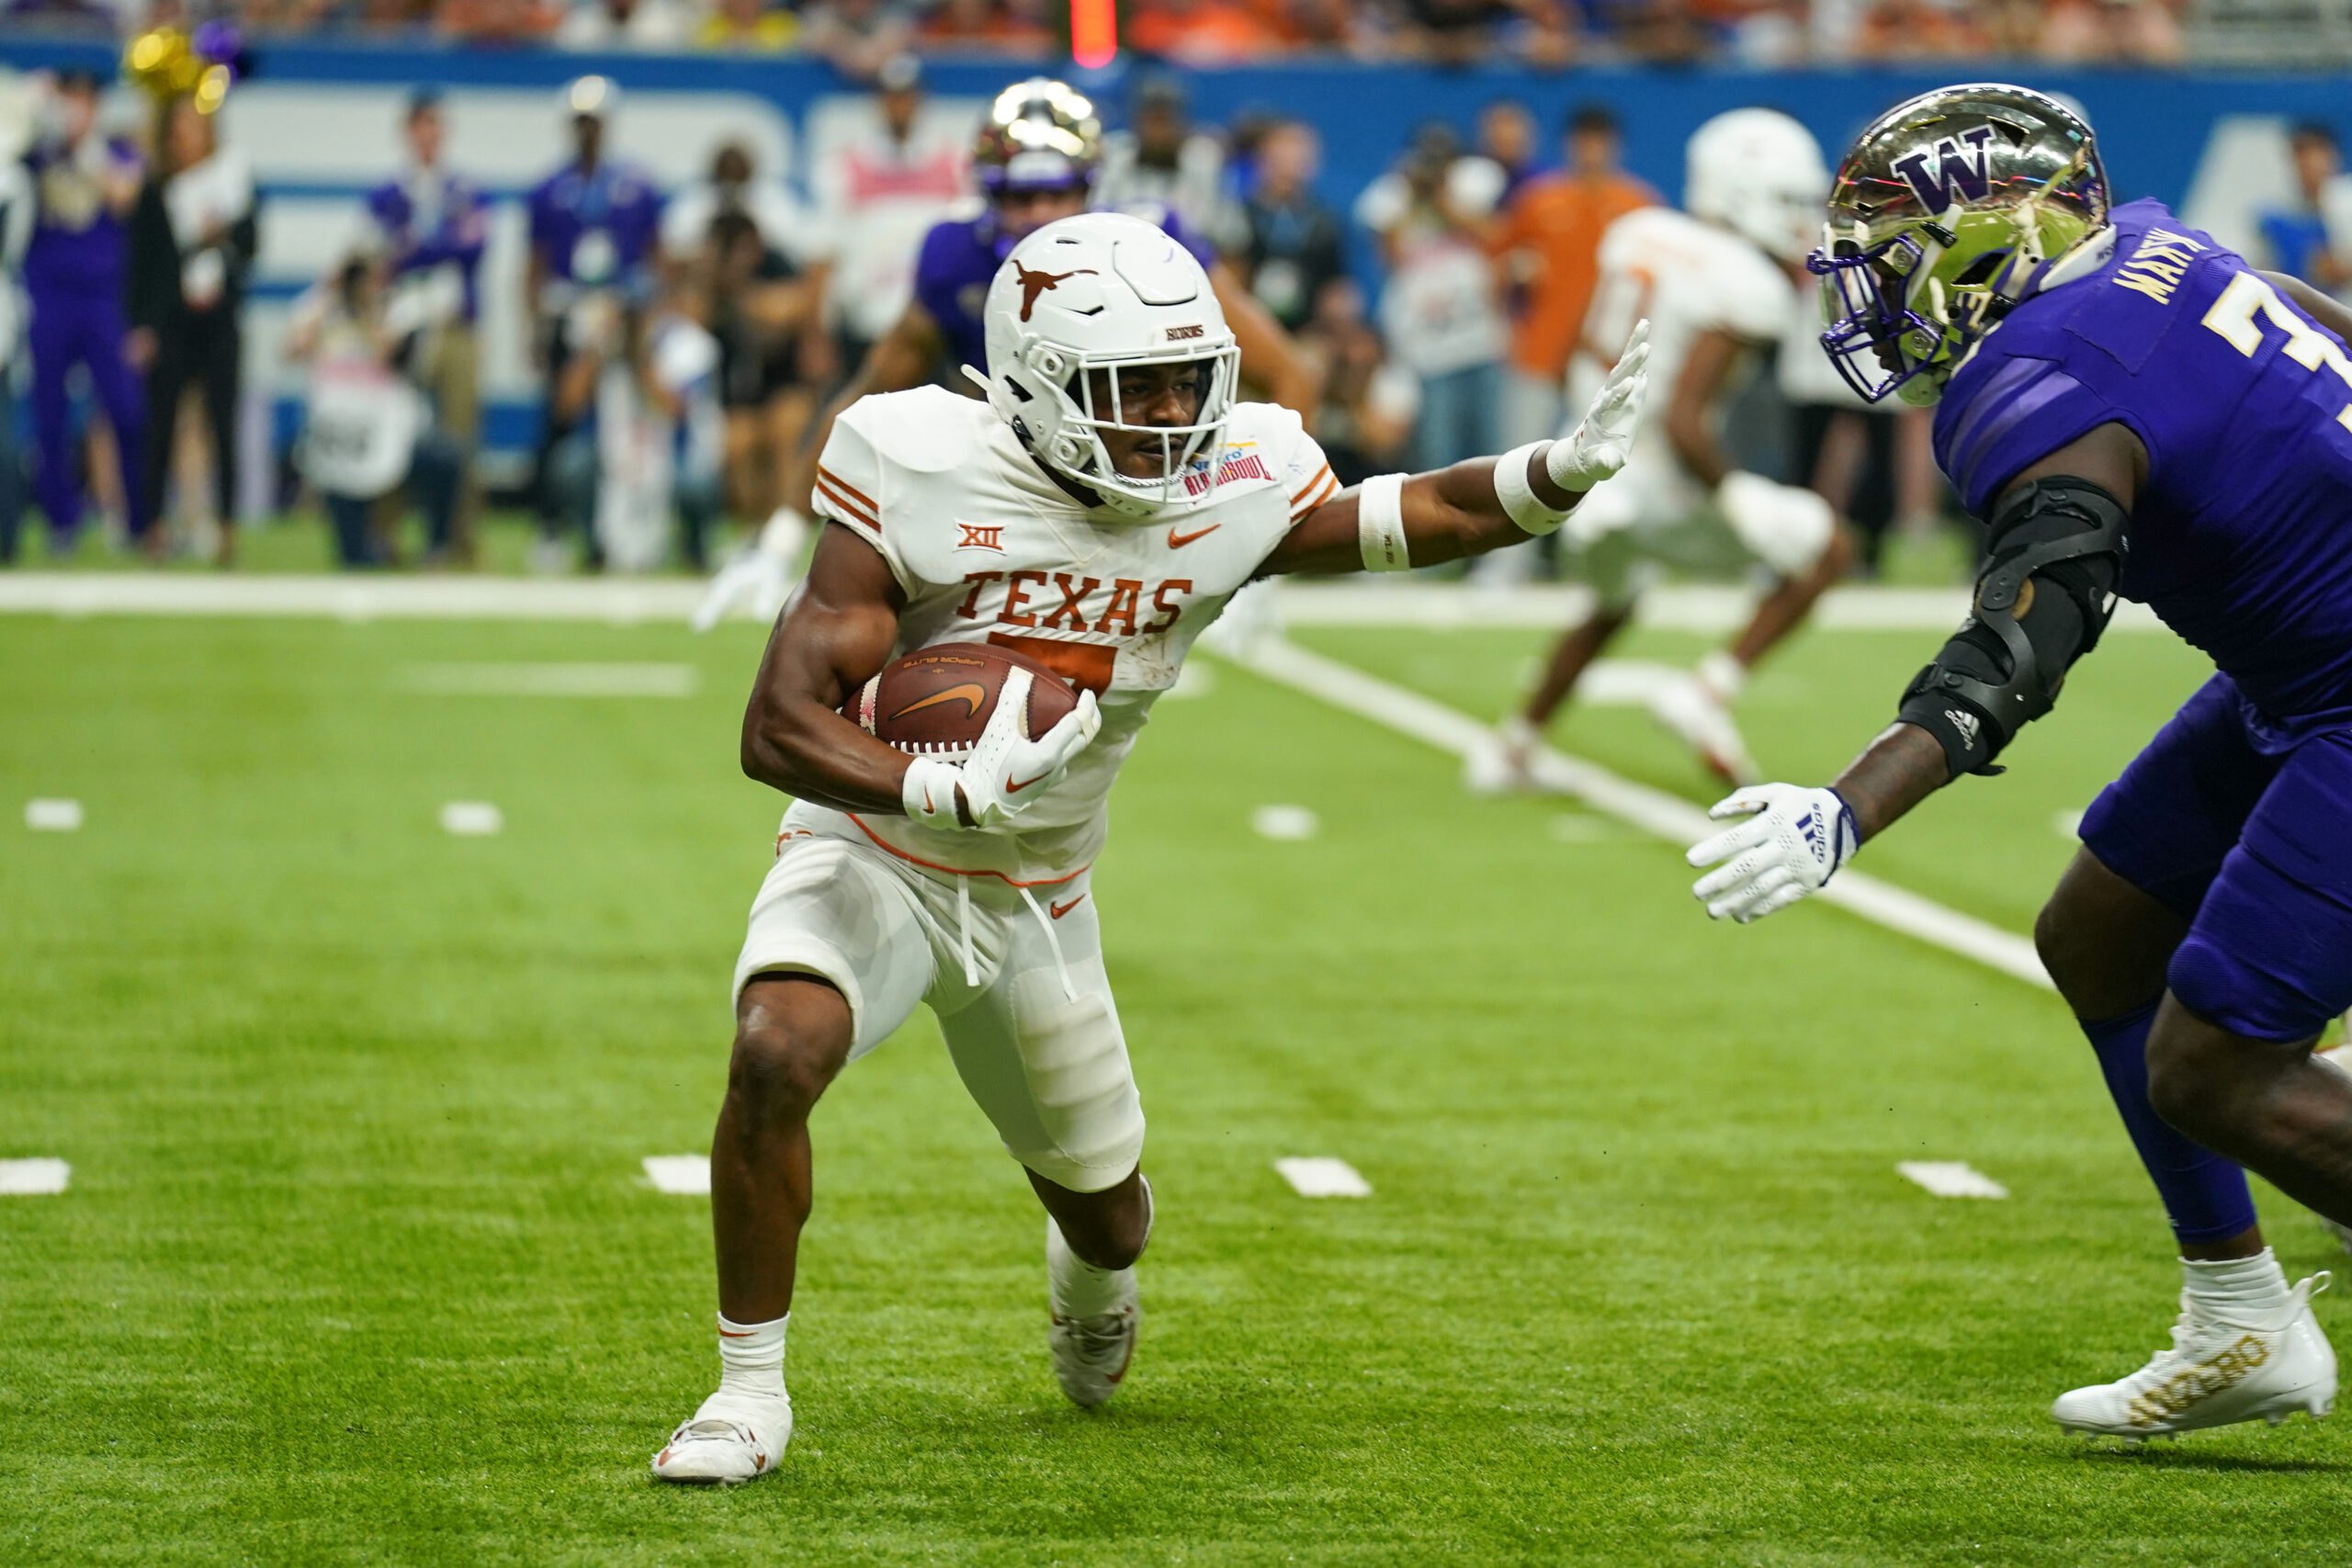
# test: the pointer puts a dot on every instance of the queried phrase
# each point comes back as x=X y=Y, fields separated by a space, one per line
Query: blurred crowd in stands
x=859 y=35
x=688 y=341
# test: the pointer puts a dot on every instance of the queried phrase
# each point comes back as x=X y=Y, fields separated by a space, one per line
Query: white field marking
x=1319 y=1176
x=472 y=818
x=568 y=679
x=1691 y=607
x=624 y=601
x=31 y=1178
x=1653 y=811
x=686 y=1176
x=1284 y=822
x=2066 y=824
x=1626 y=683
x=1951 y=1179
x=53 y=816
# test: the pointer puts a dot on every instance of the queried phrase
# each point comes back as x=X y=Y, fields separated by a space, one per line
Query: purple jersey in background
x=596 y=230
x=427 y=220
x=959 y=260
x=78 y=245
x=2241 y=538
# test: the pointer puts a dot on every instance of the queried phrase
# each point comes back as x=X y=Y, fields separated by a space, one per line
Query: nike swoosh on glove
x=1602 y=441
x=1005 y=772
x=1791 y=841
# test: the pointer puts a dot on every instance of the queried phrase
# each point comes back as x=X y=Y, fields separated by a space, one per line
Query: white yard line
x=1691 y=607
x=684 y=1176
x=1951 y=1179
x=1654 y=811
x=33 y=1178
x=1319 y=1176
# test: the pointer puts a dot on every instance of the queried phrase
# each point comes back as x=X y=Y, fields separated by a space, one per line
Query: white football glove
x=1600 y=445
x=1791 y=842
x=1785 y=526
x=760 y=576
x=1004 y=773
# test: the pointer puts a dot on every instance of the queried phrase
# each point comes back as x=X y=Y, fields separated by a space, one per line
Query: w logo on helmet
x=1962 y=165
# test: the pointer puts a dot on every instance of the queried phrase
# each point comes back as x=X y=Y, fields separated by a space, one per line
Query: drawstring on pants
x=964 y=931
x=1070 y=989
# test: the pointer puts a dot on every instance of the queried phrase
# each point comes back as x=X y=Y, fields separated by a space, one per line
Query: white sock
x=1725 y=676
x=2240 y=1287
x=750 y=1358
x=1074 y=1287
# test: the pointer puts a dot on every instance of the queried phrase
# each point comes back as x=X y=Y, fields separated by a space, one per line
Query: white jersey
x=1689 y=277
x=988 y=549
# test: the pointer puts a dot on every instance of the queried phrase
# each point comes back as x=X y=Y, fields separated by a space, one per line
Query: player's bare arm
x=2056 y=547
x=1686 y=420
x=836 y=633
x=1395 y=520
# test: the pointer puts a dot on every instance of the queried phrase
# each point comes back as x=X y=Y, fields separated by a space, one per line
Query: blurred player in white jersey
x=1717 y=284
x=1094 y=513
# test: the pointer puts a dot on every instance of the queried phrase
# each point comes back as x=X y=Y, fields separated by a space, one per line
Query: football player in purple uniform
x=1035 y=161
x=2138 y=413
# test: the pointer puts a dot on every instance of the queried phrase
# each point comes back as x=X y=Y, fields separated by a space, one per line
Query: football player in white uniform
x=1096 y=511
x=1717 y=284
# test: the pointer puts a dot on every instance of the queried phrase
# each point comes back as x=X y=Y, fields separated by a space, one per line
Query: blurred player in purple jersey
x=1035 y=161
x=2138 y=413
x=84 y=185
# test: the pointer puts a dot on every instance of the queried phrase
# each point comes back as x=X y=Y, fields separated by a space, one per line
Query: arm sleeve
x=851 y=488
x=2024 y=410
x=1307 y=477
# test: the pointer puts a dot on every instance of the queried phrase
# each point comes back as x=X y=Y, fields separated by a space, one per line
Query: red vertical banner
x=1093 y=32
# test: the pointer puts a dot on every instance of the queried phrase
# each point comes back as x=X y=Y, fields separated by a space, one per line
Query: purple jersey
x=2241 y=538
x=430 y=219
x=596 y=228
x=78 y=245
x=959 y=260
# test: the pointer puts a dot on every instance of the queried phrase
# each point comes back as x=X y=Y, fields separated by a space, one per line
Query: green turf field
x=358 y=1265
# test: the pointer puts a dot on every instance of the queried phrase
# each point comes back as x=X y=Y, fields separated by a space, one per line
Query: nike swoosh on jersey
x=1058 y=911
x=1178 y=541
x=971 y=693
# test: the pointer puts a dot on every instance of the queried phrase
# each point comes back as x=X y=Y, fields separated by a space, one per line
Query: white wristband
x=1380 y=522
x=928 y=792
x=1519 y=498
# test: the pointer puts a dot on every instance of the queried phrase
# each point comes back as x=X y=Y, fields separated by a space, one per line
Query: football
x=936 y=701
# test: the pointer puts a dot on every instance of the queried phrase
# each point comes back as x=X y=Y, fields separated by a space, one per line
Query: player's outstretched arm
x=2045 y=594
x=902 y=359
x=1396 y=521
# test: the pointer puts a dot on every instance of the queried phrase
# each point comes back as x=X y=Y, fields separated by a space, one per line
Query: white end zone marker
x=53 y=816
x=1951 y=1179
x=33 y=1178
x=684 y=1176
x=1319 y=1176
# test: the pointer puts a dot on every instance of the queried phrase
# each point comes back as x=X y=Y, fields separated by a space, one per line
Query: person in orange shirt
x=1547 y=241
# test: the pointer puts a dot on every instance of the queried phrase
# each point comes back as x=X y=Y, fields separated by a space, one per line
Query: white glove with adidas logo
x=1792 y=840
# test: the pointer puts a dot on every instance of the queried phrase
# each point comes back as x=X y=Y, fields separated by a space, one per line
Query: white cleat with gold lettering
x=2226 y=1365
x=731 y=1440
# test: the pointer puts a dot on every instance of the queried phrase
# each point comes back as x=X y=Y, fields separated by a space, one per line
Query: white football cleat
x=1090 y=1354
x=1500 y=763
x=726 y=1443
x=2218 y=1373
x=1696 y=714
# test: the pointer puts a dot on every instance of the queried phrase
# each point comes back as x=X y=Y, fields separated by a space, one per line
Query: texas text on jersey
x=988 y=548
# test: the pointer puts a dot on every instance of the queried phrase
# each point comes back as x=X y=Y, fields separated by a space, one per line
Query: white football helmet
x=1760 y=175
x=1099 y=292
